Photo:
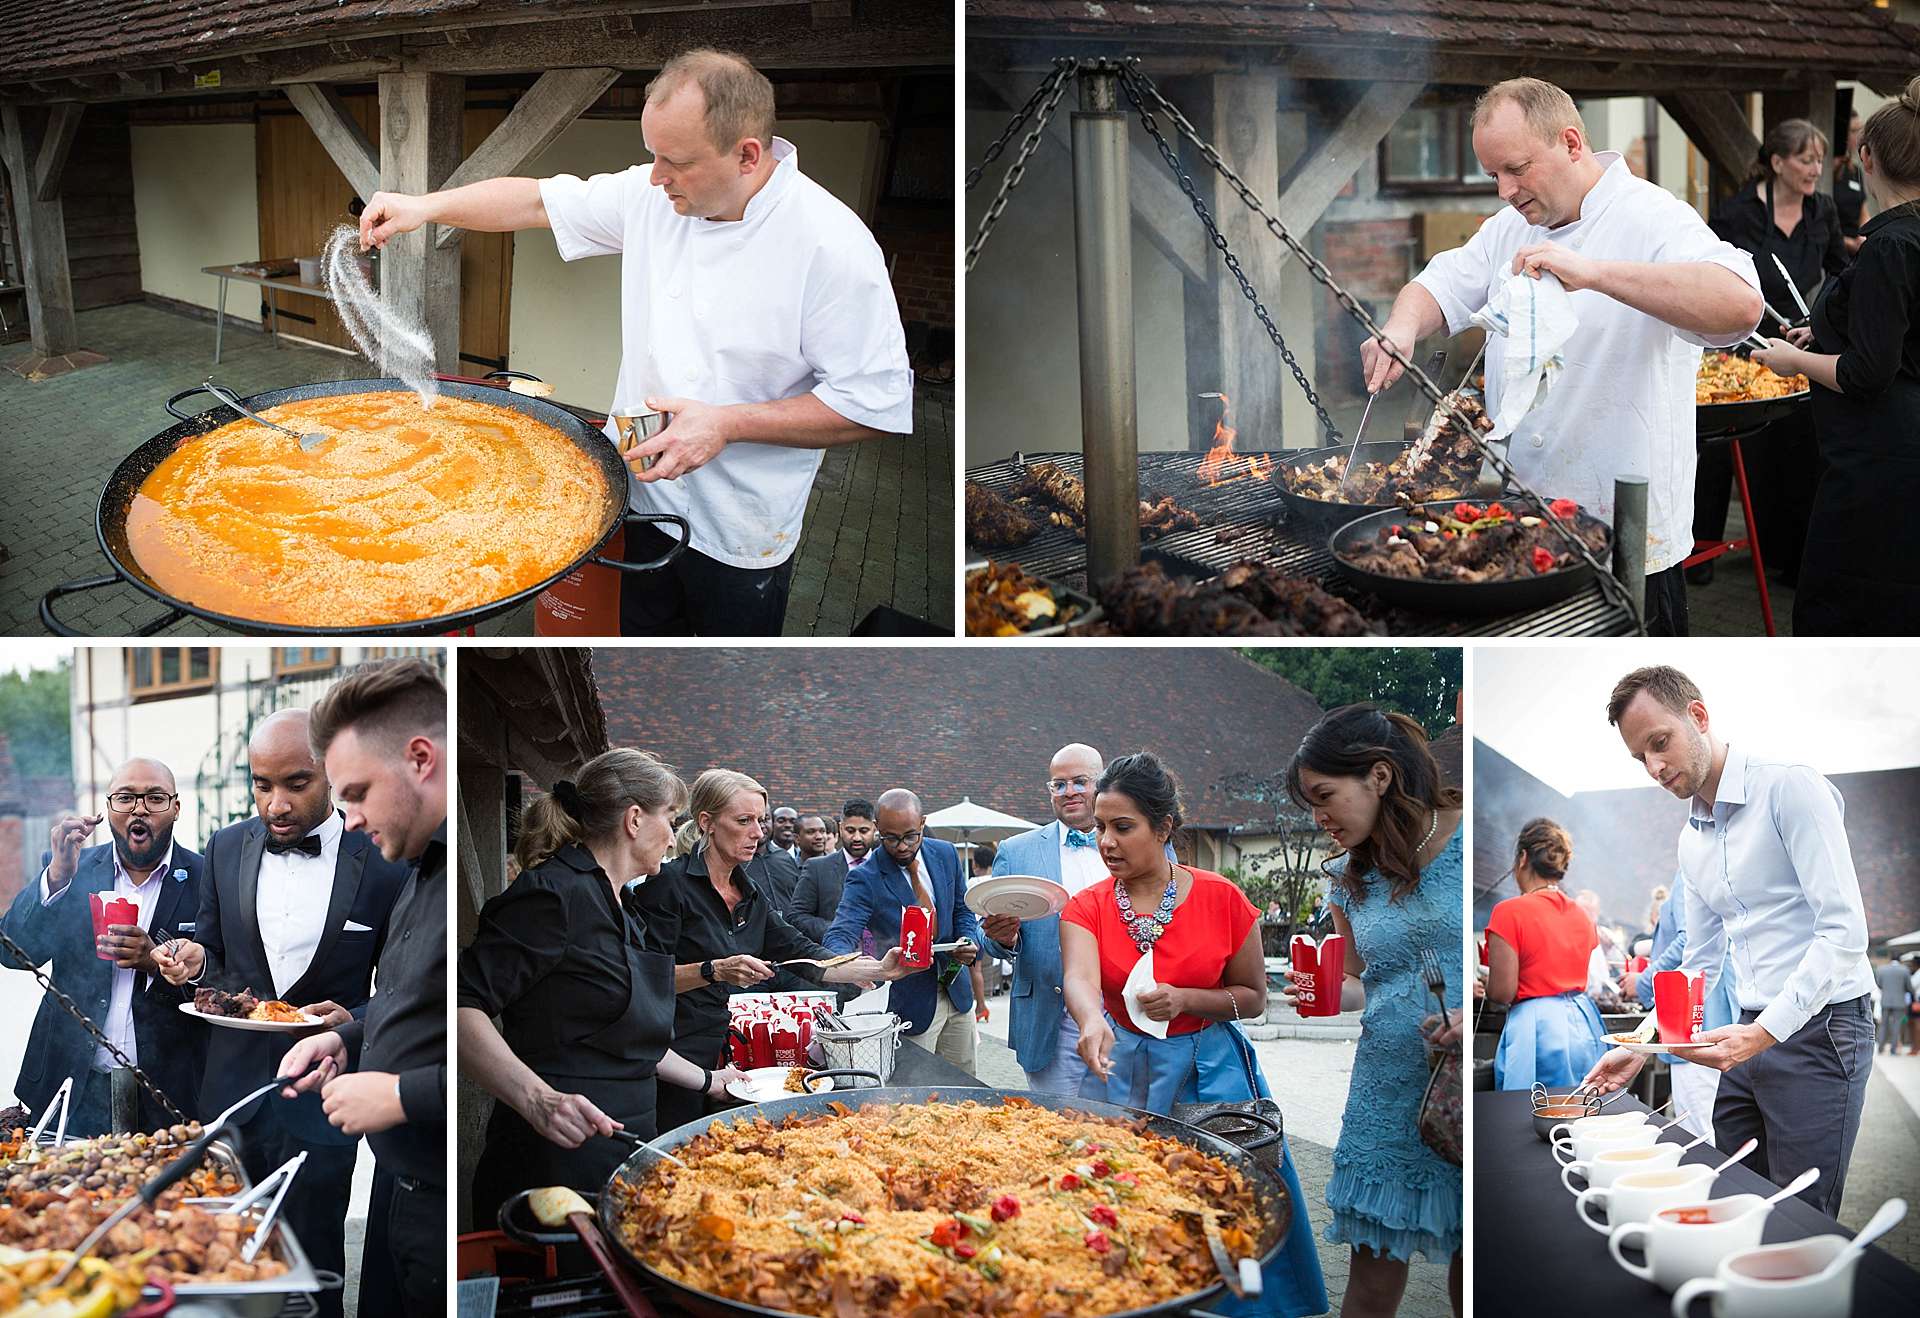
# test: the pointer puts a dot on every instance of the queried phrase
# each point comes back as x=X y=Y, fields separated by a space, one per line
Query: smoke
x=398 y=344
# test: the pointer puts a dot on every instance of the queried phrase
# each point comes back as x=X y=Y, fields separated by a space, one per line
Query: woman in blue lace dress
x=1372 y=785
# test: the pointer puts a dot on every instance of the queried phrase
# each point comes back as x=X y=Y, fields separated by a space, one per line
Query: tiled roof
x=1848 y=36
x=819 y=726
x=1624 y=842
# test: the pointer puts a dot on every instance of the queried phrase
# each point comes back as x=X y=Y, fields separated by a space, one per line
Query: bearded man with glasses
x=111 y=976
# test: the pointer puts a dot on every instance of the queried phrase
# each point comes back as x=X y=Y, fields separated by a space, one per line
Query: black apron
x=516 y=1157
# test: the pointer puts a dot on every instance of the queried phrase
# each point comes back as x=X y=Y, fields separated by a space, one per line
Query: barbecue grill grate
x=1255 y=510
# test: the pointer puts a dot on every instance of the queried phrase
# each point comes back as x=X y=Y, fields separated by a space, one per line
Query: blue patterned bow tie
x=1075 y=838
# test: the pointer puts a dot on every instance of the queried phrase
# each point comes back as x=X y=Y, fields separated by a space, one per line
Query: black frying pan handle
x=1266 y=1123
x=184 y=393
x=58 y=628
x=848 y=1071
x=633 y=519
x=510 y=1224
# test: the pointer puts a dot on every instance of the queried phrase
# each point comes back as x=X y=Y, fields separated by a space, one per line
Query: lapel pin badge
x=179 y=876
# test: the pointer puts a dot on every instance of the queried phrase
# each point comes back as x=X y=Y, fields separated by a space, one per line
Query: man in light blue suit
x=1043 y=1035
x=910 y=869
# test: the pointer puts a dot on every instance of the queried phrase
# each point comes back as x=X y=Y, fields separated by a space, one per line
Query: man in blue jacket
x=1043 y=1035
x=113 y=977
x=913 y=869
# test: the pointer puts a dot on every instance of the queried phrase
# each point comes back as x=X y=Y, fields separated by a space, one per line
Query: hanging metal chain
x=26 y=962
x=1136 y=94
x=1046 y=97
x=1141 y=90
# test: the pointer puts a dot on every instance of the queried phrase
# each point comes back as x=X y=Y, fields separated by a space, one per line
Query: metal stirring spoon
x=313 y=439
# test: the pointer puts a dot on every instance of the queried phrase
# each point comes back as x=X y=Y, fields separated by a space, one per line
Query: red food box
x=785 y=1043
x=106 y=912
x=1325 y=968
x=916 y=937
x=1679 y=1005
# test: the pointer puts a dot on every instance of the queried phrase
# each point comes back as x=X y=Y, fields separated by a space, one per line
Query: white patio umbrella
x=1906 y=940
x=966 y=819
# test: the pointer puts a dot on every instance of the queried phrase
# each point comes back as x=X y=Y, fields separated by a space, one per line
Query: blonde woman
x=585 y=1006
x=710 y=912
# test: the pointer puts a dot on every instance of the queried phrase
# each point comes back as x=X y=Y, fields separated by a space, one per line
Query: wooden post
x=421 y=143
x=1246 y=132
x=36 y=144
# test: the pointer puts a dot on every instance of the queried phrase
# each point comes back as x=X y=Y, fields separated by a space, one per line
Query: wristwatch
x=706 y=971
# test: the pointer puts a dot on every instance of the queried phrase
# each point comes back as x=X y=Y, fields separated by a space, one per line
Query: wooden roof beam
x=1716 y=123
x=63 y=125
x=556 y=100
x=340 y=133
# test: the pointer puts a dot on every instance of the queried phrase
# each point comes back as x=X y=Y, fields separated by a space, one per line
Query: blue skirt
x=1217 y=1065
x=1554 y=1041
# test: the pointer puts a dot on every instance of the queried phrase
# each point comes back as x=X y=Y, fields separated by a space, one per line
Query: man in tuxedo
x=292 y=906
x=815 y=838
x=113 y=978
x=381 y=732
x=912 y=869
x=817 y=896
x=1041 y=1032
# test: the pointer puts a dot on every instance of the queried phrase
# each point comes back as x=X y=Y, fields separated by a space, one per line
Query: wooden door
x=303 y=196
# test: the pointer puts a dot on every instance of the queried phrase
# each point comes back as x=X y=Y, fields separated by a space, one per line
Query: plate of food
x=763 y=1084
x=1459 y=557
x=244 y=1011
x=1649 y=1047
x=1003 y=599
x=1024 y=896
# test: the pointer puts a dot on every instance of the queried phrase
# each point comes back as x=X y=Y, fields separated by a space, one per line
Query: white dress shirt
x=1080 y=867
x=291 y=904
x=1771 y=887
x=1624 y=405
x=791 y=298
x=146 y=896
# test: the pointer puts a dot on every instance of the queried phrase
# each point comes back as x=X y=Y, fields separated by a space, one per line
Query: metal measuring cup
x=635 y=429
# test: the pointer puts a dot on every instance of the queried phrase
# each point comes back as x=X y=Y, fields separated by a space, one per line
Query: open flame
x=1222 y=464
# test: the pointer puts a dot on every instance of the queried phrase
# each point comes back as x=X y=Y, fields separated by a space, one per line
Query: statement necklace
x=1145 y=930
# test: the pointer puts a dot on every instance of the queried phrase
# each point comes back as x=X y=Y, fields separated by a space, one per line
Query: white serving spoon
x=1882 y=1222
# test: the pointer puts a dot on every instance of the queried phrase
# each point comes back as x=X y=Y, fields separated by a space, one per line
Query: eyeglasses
x=900 y=839
x=1061 y=786
x=124 y=802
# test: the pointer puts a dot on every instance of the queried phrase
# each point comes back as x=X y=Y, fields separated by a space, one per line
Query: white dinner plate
x=1655 y=1046
x=764 y=1084
x=1023 y=895
x=241 y=1023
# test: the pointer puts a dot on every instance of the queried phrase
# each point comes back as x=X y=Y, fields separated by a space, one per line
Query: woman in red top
x=1538 y=947
x=1203 y=936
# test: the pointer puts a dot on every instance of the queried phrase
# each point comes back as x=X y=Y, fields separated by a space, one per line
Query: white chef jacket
x=1624 y=405
x=1771 y=887
x=291 y=901
x=146 y=896
x=791 y=298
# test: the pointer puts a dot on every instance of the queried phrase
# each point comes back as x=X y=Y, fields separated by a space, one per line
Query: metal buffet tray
x=1063 y=596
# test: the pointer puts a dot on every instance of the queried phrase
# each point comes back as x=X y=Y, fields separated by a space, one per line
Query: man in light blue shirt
x=1771 y=892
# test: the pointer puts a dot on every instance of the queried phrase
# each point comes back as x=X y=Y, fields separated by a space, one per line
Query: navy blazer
x=170 y=1045
x=817 y=896
x=876 y=891
x=364 y=889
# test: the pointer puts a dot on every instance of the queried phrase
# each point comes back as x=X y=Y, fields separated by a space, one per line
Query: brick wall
x=919 y=251
x=13 y=861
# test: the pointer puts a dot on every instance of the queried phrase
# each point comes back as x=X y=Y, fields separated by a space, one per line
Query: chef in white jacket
x=1651 y=285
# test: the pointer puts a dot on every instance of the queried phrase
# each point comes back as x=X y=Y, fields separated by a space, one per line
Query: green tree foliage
x=1419 y=681
x=34 y=715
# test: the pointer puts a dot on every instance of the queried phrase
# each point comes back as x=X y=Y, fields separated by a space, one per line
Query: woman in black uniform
x=724 y=930
x=585 y=1001
x=1850 y=189
x=1779 y=211
x=1861 y=576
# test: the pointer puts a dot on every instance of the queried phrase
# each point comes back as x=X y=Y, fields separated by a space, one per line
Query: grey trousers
x=1801 y=1099
x=1890 y=1018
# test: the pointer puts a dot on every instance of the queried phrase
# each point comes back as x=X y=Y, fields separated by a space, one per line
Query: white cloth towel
x=1140 y=980
x=1537 y=318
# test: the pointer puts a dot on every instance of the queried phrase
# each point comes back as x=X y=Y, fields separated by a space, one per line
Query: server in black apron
x=1862 y=577
x=1779 y=212
x=724 y=930
x=584 y=1000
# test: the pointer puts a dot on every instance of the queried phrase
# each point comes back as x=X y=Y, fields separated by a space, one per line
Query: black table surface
x=1533 y=1257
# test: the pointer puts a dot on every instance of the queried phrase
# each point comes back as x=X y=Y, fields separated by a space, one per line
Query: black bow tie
x=309 y=844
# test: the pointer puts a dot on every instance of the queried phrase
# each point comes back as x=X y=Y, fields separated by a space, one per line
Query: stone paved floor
x=1312 y=1099
x=879 y=524
x=1886 y=1155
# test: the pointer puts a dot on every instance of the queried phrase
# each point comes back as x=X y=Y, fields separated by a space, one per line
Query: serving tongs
x=59 y=1101
x=823 y=962
x=272 y=1187
x=309 y=441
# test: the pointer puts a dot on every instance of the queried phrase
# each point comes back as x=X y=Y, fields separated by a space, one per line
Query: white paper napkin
x=1139 y=981
x=1537 y=318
